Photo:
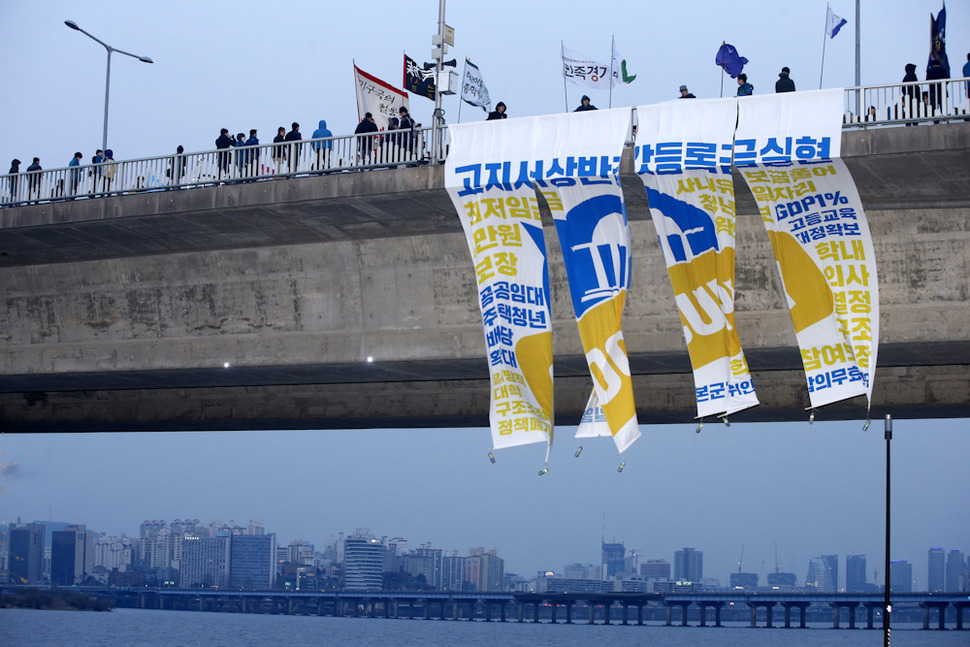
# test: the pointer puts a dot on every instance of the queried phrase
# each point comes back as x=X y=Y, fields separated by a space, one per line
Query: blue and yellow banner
x=683 y=157
x=787 y=148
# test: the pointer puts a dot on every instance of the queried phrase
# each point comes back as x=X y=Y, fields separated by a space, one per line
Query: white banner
x=473 y=89
x=503 y=228
x=585 y=72
x=683 y=157
x=787 y=147
x=378 y=98
x=581 y=186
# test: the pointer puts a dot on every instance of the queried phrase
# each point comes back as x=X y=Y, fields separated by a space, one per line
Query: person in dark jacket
x=365 y=145
x=294 y=136
x=910 y=93
x=406 y=126
x=252 y=155
x=584 y=105
x=33 y=180
x=223 y=142
x=498 y=113
x=685 y=93
x=176 y=169
x=14 y=169
x=239 y=142
x=279 y=152
x=745 y=89
x=784 y=82
x=937 y=72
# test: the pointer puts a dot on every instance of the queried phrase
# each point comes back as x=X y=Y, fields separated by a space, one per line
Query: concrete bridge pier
x=802 y=606
x=569 y=612
x=940 y=610
x=717 y=612
x=769 y=606
x=960 y=606
x=606 y=611
x=535 y=611
x=683 y=612
x=521 y=611
x=552 y=615
x=488 y=610
x=592 y=612
x=502 y=610
x=625 y=614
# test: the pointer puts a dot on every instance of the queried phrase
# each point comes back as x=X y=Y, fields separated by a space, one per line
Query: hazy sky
x=246 y=64
x=812 y=489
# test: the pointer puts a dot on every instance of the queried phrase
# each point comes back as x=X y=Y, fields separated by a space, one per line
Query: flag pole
x=464 y=71
x=612 y=50
x=562 y=57
x=825 y=30
x=723 y=43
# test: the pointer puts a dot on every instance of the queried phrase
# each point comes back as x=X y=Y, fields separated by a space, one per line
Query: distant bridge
x=347 y=300
x=538 y=607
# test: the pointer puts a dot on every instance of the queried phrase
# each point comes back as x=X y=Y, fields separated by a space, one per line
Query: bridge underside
x=118 y=314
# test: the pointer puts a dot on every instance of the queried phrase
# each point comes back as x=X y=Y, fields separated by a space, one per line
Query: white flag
x=832 y=22
x=585 y=72
x=473 y=89
x=619 y=71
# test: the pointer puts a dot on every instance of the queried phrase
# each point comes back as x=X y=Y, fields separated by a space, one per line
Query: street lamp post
x=107 y=81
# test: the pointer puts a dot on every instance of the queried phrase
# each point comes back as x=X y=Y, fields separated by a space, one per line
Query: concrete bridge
x=348 y=300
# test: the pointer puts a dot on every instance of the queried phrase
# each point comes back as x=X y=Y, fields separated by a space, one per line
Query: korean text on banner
x=417 y=79
x=787 y=147
x=503 y=229
x=579 y=181
x=683 y=158
x=585 y=72
x=473 y=90
x=378 y=98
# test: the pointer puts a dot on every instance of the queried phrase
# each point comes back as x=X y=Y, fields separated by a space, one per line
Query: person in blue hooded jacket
x=322 y=149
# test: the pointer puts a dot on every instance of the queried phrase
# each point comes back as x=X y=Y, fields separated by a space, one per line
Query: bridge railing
x=884 y=105
x=387 y=149
x=907 y=103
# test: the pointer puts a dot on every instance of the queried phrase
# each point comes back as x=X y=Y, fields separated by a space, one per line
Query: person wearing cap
x=685 y=94
x=745 y=89
x=584 y=105
x=365 y=145
x=784 y=82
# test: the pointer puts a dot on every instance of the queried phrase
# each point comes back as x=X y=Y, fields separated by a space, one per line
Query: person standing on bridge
x=784 y=82
x=322 y=148
x=745 y=89
x=33 y=180
x=279 y=152
x=498 y=113
x=75 y=166
x=223 y=142
x=365 y=144
x=584 y=105
x=294 y=136
x=252 y=155
x=14 y=169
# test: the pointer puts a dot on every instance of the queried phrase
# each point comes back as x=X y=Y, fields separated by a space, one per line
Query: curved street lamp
x=107 y=82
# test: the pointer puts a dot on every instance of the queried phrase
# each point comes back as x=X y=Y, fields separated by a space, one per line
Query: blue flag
x=832 y=22
x=938 y=44
x=729 y=59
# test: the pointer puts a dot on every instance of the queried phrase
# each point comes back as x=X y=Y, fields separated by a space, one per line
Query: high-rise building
x=658 y=569
x=855 y=573
x=832 y=564
x=252 y=561
x=820 y=575
x=426 y=561
x=613 y=563
x=484 y=571
x=936 y=571
x=955 y=568
x=901 y=576
x=746 y=581
x=71 y=558
x=25 y=561
x=577 y=571
x=205 y=561
x=363 y=563
x=452 y=573
x=782 y=581
x=688 y=565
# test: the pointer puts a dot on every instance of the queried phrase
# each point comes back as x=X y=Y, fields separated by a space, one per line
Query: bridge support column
x=754 y=615
x=835 y=616
x=501 y=608
x=535 y=611
x=626 y=612
x=521 y=611
x=670 y=613
x=456 y=610
x=717 y=614
x=940 y=610
x=592 y=611
x=606 y=611
x=569 y=613
x=960 y=606
x=552 y=617
x=488 y=610
x=768 y=610
x=639 y=615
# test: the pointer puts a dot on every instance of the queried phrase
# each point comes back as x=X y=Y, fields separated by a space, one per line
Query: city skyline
x=815 y=490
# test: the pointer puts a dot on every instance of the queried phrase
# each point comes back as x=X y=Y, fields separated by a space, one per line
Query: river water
x=136 y=627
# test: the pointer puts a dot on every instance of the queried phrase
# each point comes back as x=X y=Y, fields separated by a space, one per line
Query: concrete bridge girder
x=121 y=313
